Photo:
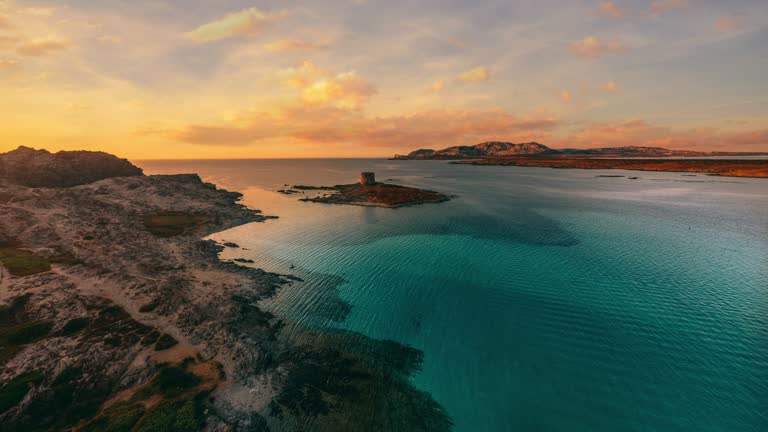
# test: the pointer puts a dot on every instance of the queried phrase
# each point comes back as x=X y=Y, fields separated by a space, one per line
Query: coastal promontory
x=117 y=314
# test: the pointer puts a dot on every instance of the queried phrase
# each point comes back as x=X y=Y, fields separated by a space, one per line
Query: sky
x=176 y=79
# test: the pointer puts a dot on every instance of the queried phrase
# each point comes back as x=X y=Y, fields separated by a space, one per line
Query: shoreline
x=754 y=168
x=140 y=268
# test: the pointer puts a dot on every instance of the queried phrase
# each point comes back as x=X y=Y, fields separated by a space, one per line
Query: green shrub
x=27 y=332
x=149 y=307
x=176 y=416
x=14 y=391
x=75 y=325
x=164 y=342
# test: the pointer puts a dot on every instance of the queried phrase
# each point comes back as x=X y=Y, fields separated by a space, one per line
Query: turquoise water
x=544 y=300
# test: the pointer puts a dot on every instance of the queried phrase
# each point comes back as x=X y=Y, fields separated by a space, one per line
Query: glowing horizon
x=357 y=78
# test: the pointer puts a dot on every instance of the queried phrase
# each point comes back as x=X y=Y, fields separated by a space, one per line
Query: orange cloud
x=345 y=90
x=247 y=22
x=6 y=41
x=659 y=7
x=5 y=22
x=41 y=47
x=328 y=125
x=566 y=96
x=610 y=9
x=8 y=65
x=293 y=45
x=727 y=23
x=593 y=47
x=636 y=132
x=477 y=74
x=437 y=86
x=611 y=86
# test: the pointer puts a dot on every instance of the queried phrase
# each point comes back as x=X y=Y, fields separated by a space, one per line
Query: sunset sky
x=358 y=78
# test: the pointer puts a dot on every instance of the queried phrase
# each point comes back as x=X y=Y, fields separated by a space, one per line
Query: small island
x=369 y=192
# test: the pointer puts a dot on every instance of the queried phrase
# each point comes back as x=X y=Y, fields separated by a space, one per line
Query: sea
x=542 y=299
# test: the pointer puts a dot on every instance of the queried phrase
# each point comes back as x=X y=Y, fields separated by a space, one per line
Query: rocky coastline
x=715 y=167
x=116 y=314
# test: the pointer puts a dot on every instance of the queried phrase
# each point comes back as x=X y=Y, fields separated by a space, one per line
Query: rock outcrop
x=40 y=168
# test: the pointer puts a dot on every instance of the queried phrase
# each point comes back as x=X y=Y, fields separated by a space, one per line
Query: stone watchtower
x=368 y=179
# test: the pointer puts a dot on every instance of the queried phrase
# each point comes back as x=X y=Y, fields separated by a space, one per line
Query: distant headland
x=500 y=149
x=630 y=158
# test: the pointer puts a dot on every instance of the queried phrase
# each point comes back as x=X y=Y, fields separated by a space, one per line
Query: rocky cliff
x=40 y=168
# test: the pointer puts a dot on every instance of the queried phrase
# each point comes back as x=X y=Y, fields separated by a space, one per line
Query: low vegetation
x=17 y=330
x=14 y=391
x=173 y=223
x=164 y=342
x=21 y=262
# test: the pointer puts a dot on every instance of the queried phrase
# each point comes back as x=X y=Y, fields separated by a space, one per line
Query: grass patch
x=173 y=223
x=14 y=391
x=20 y=262
x=164 y=342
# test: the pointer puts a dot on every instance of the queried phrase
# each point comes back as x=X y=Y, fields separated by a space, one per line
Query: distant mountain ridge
x=500 y=149
x=486 y=149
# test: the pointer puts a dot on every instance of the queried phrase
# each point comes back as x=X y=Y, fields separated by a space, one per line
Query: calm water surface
x=544 y=300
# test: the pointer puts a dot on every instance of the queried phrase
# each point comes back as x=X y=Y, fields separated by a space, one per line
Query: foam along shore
x=115 y=313
x=716 y=167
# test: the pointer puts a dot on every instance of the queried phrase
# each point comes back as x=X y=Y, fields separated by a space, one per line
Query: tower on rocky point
x=368 y=179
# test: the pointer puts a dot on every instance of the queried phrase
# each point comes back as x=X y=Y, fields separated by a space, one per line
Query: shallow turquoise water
x=544 y=300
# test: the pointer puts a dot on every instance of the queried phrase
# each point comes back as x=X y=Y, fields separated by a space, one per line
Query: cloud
x=610 y=9
x=611 y=86
x=39 y=11
x=437 y=86
x=76 y=107
x=5 y=23
x=294 y=45
x=328 y=125
x=727 y=23
x=477 y=74
x=8 y=41
x=660 y=7
x=247 y=22
x=593 y=47
x=346 y=90
x=638 y=132
x=41 y=47
x=566 y=96
x=8 y=65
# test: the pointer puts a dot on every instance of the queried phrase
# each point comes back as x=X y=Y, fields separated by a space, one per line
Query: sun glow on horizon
x=363 y=79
